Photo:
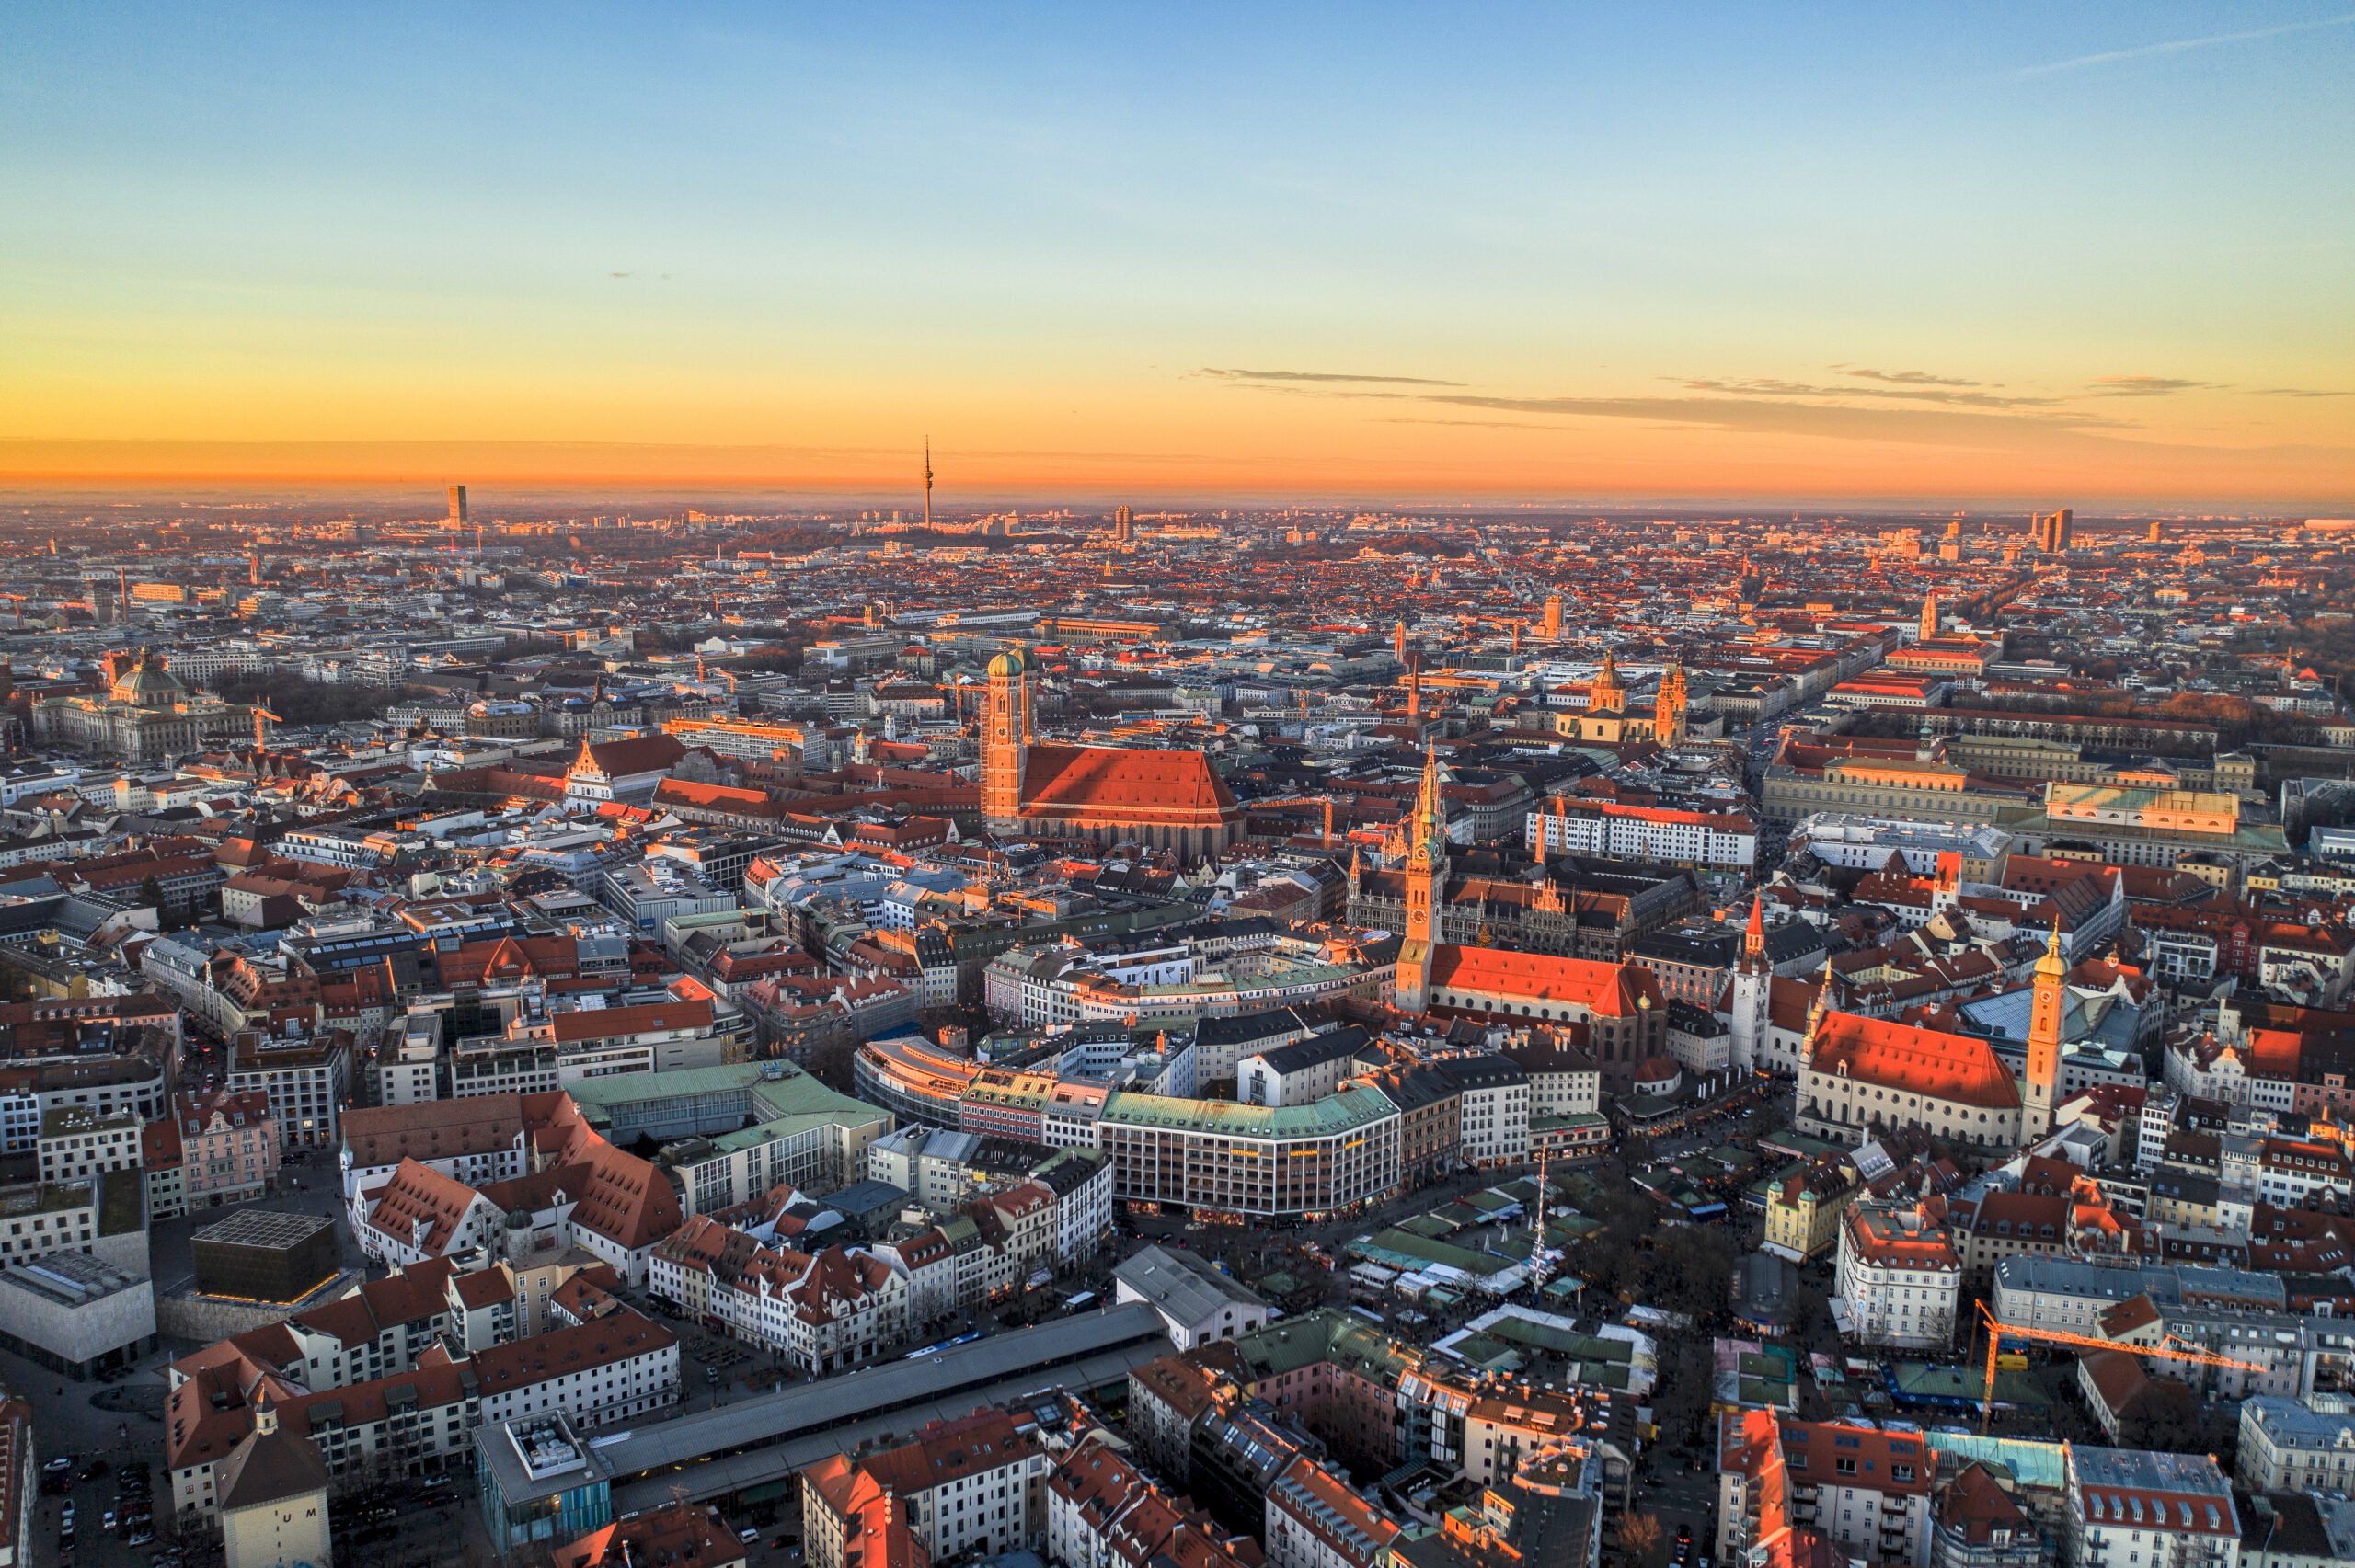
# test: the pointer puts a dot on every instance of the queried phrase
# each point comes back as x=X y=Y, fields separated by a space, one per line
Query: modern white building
x=76 y=1314
x=307 y=1078
x=1720 y=840
x=76 y=1144
x=1493 y=1093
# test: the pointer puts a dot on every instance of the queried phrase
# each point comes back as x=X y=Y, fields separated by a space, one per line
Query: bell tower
x=1751 y=991
x=1006 y=739
x=2045 y=1019
x=1668 y=709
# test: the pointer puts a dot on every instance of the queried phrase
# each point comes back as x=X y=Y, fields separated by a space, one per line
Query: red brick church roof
x=1611 y=991
x=1961 y=1069
x=1125 y=784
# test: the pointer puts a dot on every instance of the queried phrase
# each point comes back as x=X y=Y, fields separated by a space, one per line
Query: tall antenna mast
x=927 y=482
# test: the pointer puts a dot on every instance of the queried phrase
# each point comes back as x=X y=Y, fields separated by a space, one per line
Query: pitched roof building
x=1863 y=1075
x=1162 y=799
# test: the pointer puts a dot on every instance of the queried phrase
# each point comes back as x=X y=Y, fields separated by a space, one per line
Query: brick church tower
x=1006 y=739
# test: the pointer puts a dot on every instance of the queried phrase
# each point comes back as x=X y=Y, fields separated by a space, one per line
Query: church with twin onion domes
x=1108 y=795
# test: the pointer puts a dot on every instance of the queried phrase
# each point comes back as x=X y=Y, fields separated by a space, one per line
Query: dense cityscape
x=1525 y=785
x=1238 y=1038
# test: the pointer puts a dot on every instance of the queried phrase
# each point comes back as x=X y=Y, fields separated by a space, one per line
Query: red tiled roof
x=1611 y=991
x=434 y=1130
x=1126 y=782
x=502 y=1368
x=1960 y=1068
x=415 y=1193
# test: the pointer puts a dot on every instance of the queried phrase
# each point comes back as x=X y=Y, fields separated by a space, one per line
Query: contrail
x=2180 y=45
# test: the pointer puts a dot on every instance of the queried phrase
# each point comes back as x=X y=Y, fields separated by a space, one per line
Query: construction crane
x=1324 y=800
x=263 y=718
x=2173 y=1351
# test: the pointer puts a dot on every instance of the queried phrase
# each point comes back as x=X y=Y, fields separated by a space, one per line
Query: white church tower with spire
x=1752 y=992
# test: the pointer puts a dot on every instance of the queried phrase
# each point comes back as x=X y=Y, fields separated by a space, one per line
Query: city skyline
x=2003 y=259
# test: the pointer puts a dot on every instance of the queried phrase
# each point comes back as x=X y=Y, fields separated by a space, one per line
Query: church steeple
x=2046 y=1018
x=1752 y=993
x=1930 y=616
x=1430 y=817
x=1426 y=888
x=1669 y=723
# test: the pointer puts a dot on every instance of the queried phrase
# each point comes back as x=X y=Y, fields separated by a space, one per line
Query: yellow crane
x=1324 y=800
x=1997 y=1329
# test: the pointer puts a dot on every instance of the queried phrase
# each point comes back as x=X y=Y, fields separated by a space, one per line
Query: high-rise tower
x=927 y=482
x=2044 y=1021
x=457 y=505
x=2050 y=531
x=1552 y=617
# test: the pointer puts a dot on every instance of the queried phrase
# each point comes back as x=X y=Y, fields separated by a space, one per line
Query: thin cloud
x=2300 y=391
x=1340 y=376
x=1937 y=393
x=1465 y=424
x=2143 y=386
x=2180 y=46
x=1785 y=415
x=1906 y=378
x=1755 y=386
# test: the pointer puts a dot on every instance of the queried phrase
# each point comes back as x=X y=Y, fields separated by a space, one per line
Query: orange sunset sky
x=1993 y=255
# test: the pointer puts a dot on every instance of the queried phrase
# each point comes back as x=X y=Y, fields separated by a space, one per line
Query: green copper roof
x=1340 y=1112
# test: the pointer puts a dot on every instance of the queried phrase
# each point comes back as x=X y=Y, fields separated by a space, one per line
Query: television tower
x=927 y=483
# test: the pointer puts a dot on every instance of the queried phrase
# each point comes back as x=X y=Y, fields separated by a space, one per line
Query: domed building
x=147 y=715
x=1108 y=795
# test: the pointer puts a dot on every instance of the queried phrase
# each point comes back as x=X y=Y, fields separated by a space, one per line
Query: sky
x=2093 y=254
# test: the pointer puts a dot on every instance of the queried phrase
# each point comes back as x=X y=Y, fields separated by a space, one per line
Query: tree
x=1642 y=1543
x=1691 y=1272
x=151 y=893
